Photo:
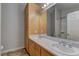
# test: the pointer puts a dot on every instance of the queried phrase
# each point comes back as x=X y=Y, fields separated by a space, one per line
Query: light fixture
x=45 y=5
x=42 y=6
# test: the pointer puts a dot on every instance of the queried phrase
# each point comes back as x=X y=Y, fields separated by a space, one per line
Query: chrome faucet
x=63 y=43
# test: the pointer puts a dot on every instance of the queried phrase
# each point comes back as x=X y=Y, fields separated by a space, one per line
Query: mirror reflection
x=63 y=21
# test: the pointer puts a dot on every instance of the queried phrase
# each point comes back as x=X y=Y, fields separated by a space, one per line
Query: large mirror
x=63 y=21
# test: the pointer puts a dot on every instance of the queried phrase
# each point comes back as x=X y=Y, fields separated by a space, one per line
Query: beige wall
x=12 y=26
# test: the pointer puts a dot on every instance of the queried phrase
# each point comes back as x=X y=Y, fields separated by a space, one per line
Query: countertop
x=47 y=44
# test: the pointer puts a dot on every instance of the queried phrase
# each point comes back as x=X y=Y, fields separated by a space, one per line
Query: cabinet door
x=27 y=45
x=45 y=53
x=37 y=50
x=31 y=48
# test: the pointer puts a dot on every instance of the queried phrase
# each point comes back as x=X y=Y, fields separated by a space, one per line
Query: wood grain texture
x=31 y=48
x=26 y=32
x=35 y=23
x=36 y=20
x=37 y=50
x=43 y=19
x=44 y=52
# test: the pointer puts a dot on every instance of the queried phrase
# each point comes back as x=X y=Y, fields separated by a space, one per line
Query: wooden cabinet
x=26 y=36
x=27 y=44
x=45 y=53
x=34 y=49
x=37 y=50
x=31 y=48
x=32 y=18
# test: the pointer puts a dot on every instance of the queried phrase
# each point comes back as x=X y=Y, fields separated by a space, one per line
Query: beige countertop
x=47 y=44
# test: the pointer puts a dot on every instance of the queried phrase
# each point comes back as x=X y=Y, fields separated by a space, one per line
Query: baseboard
x=11 y=50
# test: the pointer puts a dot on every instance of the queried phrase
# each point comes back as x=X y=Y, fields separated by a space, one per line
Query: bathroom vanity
x=37 y=50
x=51 y=46
x=37 y=44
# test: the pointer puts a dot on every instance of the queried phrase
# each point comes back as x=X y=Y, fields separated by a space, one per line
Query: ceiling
x=40 y=4
x=63 y=5
x=66 y=6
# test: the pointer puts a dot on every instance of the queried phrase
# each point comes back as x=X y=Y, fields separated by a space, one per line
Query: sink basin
x=65 y=49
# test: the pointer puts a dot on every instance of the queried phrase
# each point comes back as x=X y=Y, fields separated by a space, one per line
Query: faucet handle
x=70 y=45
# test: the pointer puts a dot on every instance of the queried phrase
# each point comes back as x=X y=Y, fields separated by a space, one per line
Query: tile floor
x=20 y=52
